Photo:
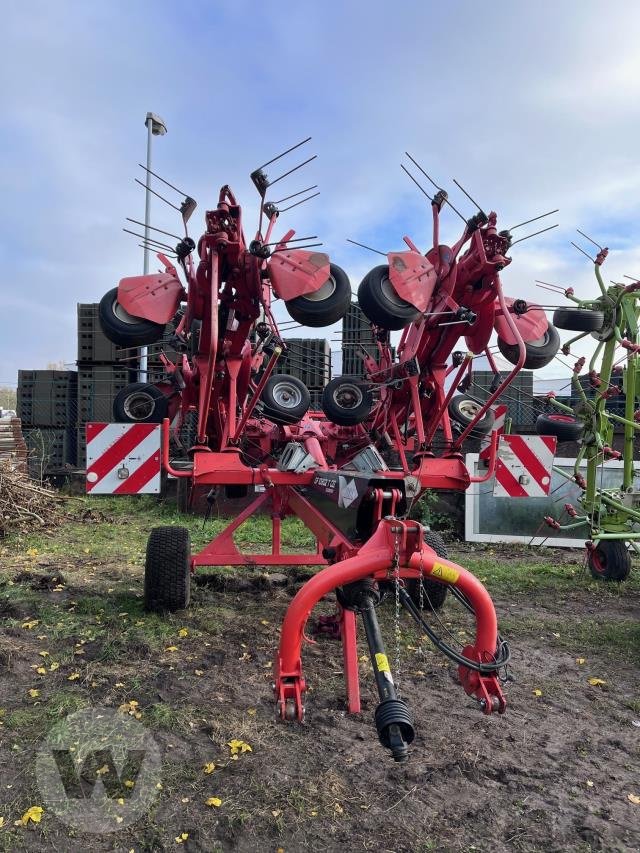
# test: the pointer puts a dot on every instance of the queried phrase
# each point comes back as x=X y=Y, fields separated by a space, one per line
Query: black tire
x=564 y=427
x=381 y=304
x=578 y=319
x=434 y=593
x=140 y=403
x=346 y=401
x=167 y=575
x=462 y=409
x=326 y=305
x=123 y=328
x=285 y=399
x=538 y=353
x=610 y=560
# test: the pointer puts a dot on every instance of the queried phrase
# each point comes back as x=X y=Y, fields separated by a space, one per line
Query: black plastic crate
x=97 y=387
x=50 y=449
x=47 y=398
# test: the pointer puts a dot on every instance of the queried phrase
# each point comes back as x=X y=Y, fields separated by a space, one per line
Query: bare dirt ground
x=558 y=772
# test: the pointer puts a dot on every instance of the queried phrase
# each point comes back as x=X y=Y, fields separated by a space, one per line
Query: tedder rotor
x=352 y=471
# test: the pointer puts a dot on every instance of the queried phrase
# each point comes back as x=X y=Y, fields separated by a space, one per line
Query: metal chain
x=396 y=576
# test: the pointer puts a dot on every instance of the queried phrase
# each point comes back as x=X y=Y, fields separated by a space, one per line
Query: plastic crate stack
x=356 y=336
x=522 y=407
x=308 y=359
x=47 y=408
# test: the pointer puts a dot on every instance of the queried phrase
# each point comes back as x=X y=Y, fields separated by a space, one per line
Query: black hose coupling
x=395 y=727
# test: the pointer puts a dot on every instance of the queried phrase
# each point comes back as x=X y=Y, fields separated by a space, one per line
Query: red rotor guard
x=374 y=559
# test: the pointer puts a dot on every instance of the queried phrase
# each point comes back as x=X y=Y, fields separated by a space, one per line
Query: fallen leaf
x=33 y=693
x=251 y=711
x=237 y=746
x=73 y=677
x=171 y=649
x=184 y=800
x=33 y=814
x=589 y=783
x=199 y=671
x=183 y=632
x=32 y=552
x=581 y=660
x=102 y=771
x=180 y=839
x=121 y=801
x=129 y=784
x=338 y=808
x=209 y=767
x=31 y=624
x=634 y=798
x=537 y=692
x=118 y=684
x=55 y=665
x=264 y=622
x=596 y=682
x=213 y=801
x=44 y=654
x=119 y=819
x=41 y=670
x=276 y=812
x=1 y=822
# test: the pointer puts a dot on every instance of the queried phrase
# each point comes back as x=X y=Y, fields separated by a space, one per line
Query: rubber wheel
x=140 y=403
x=610 y=560
x=578 y=319
x=564 y=427
x=381 y=304
x=434 y=593
x=285 y=399
x=167 y=576
x=123 y=328
x=346 y=402
x=326 y=305
x=463 y=409
x=538 y=353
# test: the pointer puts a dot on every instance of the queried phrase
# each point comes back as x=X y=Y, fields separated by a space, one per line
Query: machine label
x=524 y=466
x=445 y=572
x=382 y=662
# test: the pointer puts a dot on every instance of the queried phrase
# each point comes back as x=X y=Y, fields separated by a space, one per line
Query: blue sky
x=531 y=106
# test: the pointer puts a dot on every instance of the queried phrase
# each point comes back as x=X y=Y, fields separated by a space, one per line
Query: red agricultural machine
x=352 y=471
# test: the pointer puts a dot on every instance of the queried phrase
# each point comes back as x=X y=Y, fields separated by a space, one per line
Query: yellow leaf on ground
x=41 y=670
x=102 y=771
x=33 y=814
x=73 y=677
x=129 y=784
x=44 y=654
x=537 y=692
x=209 y=767
x=338 y=808
x=183 y=632
x=581 y=660
x=596 y=682
x=119 y=684
x=171 y=649
x=237 y=746
x=198 y=671
x=55 y=665
x=32 y=552
x=33 y=693
x=589 y=783
x=251 y=711
x=31 y=624
x=119 y=819
x=634 y=798
x=276 y=812
x=213 y=801
x=180 y=839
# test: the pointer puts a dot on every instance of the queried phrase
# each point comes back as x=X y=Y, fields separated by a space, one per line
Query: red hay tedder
x=352 y=471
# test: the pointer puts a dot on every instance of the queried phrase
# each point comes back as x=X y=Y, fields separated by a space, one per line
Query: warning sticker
x=382 y=663
x=445 y=572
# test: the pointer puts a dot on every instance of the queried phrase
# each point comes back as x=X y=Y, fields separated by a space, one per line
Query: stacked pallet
x=13 y=449
x=356 y=336
x=308 y=359
x=47 y=408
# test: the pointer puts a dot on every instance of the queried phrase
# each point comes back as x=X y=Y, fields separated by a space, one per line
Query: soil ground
x=558 y=772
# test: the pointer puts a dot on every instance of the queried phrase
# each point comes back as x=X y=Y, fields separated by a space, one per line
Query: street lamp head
x=158 y=127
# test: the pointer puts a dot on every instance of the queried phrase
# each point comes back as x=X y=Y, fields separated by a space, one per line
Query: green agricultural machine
x=612 y=513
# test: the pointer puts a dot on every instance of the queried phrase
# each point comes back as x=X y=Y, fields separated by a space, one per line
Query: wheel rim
x=469 y=409
x=390 y=294
x=122 y=315
x=598 y=561
x=325 y=292
x=348 y=396
x=562 y=419
x=287 y=395
x=139 y=406
x=539 y=342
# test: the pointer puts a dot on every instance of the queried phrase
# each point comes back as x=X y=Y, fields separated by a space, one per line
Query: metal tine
x=150 y=240
x=153 y=228
x=362 y=245
x=302 y=201
x=632 y=277
x=415 y=162
x=180 y=192
x=535 y=234
x=291 y=171
x=557 y=287
x=472 y=200
x=152 y=248
x=286 y=198
x=422 y=190
x=278 y=156
x=308 y=246
x=535 y=219
x=161 y=197
x=586 y=254
x=589 y=238
x=294 y=240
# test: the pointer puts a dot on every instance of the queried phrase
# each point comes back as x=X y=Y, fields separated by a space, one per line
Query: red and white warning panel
x=524 y=466
x=123 y=459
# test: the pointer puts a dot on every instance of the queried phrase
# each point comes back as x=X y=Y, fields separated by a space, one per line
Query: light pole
x=155 y=127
